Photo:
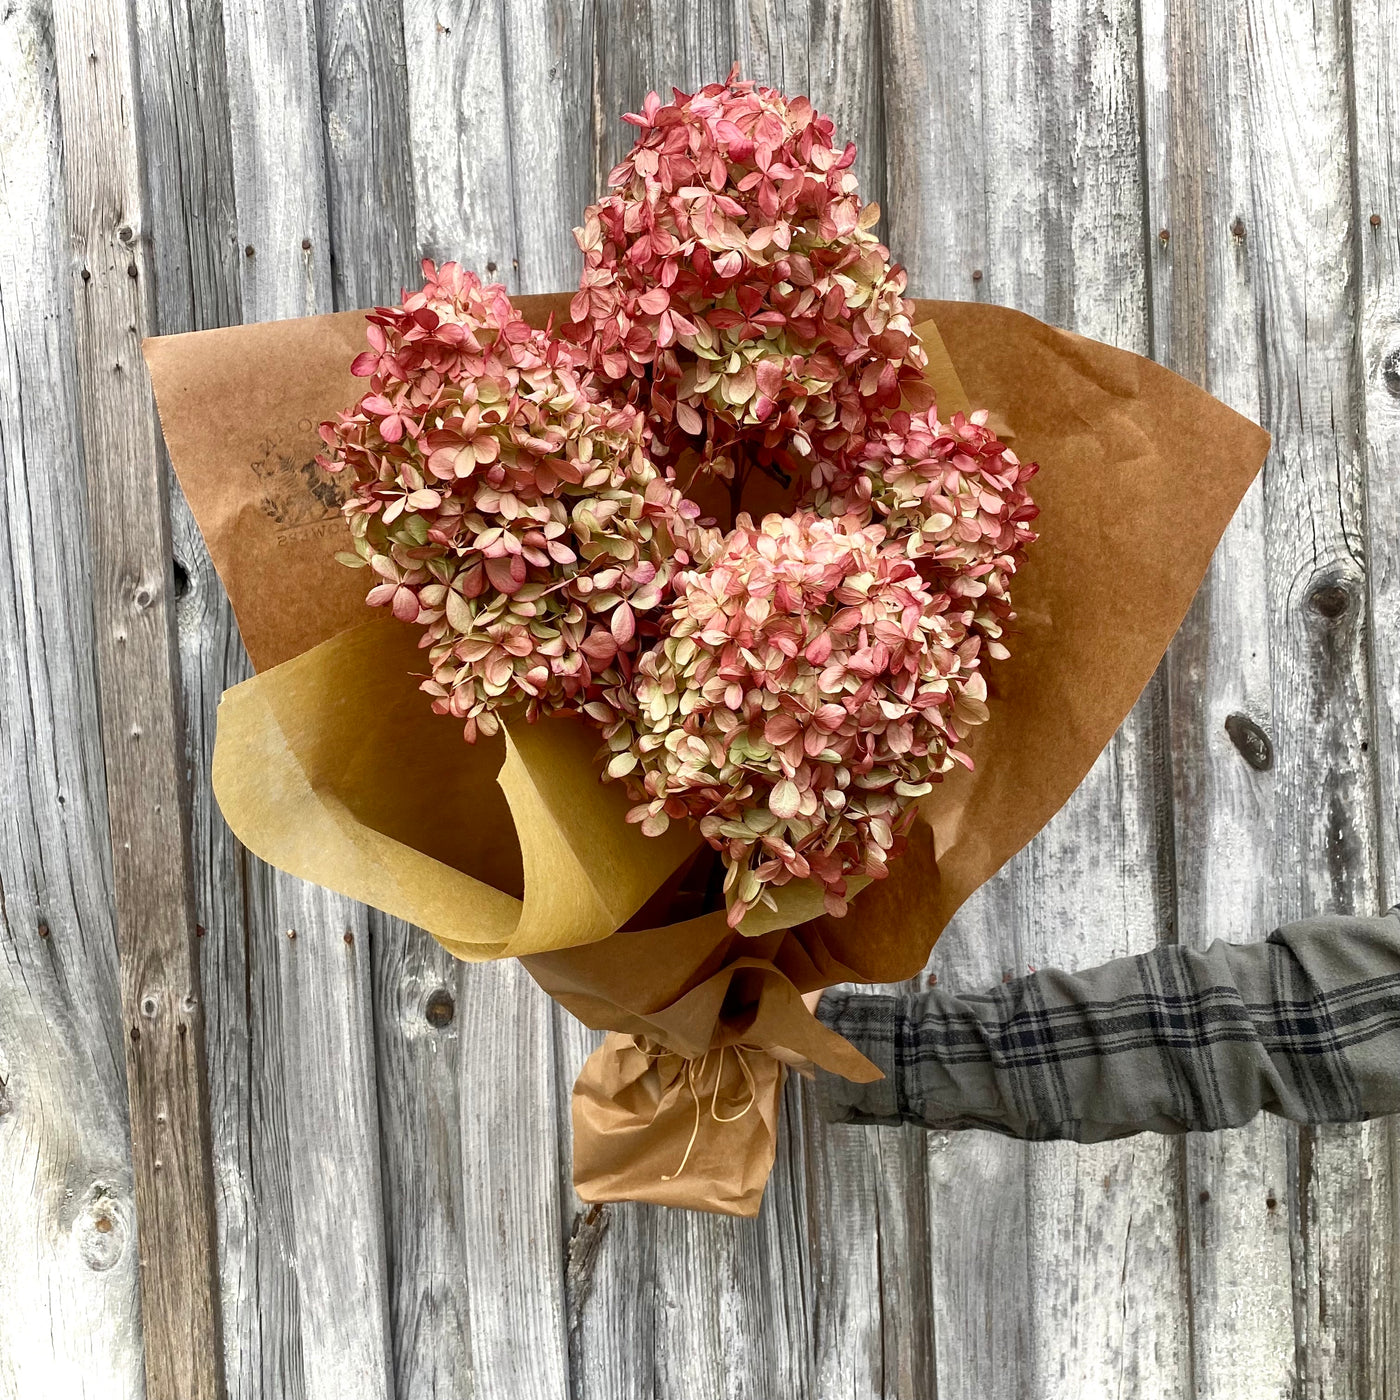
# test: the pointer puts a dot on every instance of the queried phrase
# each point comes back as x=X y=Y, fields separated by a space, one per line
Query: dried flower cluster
x=808 y=688
x=508 y=511
x=733 y=286
x=956 y=497
x=793 y=686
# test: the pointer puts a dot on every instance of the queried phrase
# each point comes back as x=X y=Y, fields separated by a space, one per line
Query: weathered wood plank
x=129 y=537
x=1237 y=1243
x=484 y=204
x=868 y=1229
x=69 y=1307
x=461 y=148
x=192 y=221
x=320 y=1266
x=1296 y=96
x=1002 y=188
x=731 y=1299
x=1375 y=57
x=374 y=255
x=369 y=173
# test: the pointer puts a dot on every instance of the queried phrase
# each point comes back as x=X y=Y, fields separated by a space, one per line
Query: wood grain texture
x=390 y=1130
x=69 y=1308
x=192 y=219
x=1300 y=250
x=1375 y=57
x=1237 y=1243
x=369 y=173
x=161 y=1001
x=320 y=1270
x=493 y=95
x=1000 y=188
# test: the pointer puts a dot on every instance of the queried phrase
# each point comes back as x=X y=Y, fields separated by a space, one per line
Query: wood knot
x=1390 y=372
x=440 y=1008
x=1251 y=741
x=1330 y=600
x=101 y=1227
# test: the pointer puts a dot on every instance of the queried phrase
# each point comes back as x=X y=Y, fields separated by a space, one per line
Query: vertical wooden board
x=867 y=1198
x=110 y=281
x=936 y=211
x=981 y=1250
x=511 y=1186
x=278 y=159
x=1375 y=50
x=70 y=1320
x=327 y=1049
x=459 y=135
x=1205 y=316
x=548 y=61
x=369 y=168
x=1375 y=55
x=189 y=173
x=321 y=1270
x=463 y=112
x=418 y=1029
x=1043 y=202
x=1297 y=96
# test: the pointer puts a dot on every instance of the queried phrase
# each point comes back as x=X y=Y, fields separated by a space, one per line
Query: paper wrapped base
x=330 y=765
x=633 y=1103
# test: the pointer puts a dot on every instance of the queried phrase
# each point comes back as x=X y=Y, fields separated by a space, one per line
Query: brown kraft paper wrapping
x=330 y=764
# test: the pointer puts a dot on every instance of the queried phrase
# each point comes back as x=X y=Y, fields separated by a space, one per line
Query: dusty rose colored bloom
x=807 y=688
x=955 y=498
x=502 y=505
x=733 y=288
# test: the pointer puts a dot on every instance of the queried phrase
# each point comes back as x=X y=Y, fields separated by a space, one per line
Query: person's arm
x=1305 y=1025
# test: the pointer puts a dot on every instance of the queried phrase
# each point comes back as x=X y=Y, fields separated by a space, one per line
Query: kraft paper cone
x=330 y=764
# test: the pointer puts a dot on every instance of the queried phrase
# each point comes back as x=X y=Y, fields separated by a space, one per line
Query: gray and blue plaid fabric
x=1305 y=1025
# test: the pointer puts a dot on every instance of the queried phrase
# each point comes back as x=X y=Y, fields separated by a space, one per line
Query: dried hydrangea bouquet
x=526 y=497
x=711 y=563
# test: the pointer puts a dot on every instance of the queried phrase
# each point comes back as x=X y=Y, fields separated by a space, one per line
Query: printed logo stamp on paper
x=297 y=495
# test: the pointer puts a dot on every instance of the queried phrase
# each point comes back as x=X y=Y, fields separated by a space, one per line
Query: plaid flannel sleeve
x=1305 y=1025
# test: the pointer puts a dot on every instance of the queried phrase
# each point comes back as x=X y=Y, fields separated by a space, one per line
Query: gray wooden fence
x=1212 y=182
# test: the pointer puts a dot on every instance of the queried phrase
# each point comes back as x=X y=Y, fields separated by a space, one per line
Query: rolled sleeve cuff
x=874 y=1025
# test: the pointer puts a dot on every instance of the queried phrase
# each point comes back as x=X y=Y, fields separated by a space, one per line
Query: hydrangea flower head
x=957 y=499
x=732 y=287
x=501 y=504
x=808 y=687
